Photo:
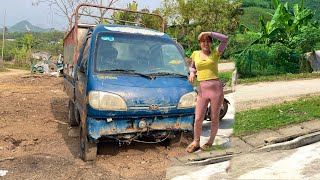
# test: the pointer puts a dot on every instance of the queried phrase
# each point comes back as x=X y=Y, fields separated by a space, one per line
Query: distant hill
x=25 y=26
x=251 y=16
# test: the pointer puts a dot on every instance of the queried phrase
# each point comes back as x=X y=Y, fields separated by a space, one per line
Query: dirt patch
x=312 y=168
x=37 y=143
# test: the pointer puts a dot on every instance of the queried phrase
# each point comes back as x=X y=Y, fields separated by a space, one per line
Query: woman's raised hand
x=203 y=33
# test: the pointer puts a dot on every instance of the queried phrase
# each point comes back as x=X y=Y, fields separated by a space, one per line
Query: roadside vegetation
x=215 y=147
x=280 y=46
x=282 y=77
x=20 y=46
x=3 y=69
x=11 y=65
x=276 y=116
x=225 y=76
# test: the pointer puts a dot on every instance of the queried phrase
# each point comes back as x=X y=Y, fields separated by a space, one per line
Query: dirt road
x=226 y=66
x=37 y=143
x=267 y=93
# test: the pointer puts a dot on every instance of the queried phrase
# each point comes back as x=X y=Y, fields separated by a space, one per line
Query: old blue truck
x=125 y=83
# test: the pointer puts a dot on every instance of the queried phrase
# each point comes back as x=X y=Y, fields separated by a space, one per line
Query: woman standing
x=205 y=64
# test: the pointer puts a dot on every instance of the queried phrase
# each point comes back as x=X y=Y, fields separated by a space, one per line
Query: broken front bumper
x=99 y=128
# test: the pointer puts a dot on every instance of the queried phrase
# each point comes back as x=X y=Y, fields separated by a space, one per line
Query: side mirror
x=83 y=66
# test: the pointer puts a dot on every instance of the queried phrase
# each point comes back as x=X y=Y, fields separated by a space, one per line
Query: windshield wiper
x=168 y=74
x=131 y=71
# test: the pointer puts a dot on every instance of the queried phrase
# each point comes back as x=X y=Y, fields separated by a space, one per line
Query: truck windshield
x=138 y=53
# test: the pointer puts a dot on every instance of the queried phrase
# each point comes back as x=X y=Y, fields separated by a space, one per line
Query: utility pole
x=3 y=31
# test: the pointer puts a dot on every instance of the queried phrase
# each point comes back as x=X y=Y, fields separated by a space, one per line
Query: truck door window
x=85 y=56
x=86 y=49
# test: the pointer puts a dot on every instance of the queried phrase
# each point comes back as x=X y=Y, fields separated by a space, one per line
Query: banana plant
x=283 y=26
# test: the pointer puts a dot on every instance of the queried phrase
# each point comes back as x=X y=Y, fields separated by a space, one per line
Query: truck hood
x=140 y=91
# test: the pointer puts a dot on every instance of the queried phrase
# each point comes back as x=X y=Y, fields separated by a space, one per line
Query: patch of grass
x=283 y=77
x=2 y=69
x=215 y=147
x=276 y=116
x=225 y=76
x=16 y=66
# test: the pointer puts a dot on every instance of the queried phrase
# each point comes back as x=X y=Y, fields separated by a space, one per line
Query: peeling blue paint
x=99 y=128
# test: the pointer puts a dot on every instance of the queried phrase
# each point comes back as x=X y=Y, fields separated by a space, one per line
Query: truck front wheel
x=88 y=150
x=71 y=114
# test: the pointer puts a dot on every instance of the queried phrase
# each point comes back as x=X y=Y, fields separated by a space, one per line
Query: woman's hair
x=204 y=38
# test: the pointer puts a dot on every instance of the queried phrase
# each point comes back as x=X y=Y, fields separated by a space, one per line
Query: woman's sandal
x=206 y=146
x=192 y=148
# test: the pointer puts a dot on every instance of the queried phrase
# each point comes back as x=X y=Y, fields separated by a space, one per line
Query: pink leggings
x=209 y=91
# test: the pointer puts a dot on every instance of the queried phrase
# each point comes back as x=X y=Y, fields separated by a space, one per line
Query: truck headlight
x=106 y=101
x=188 y=100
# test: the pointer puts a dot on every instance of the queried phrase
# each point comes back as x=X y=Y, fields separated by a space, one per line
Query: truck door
x=81 y=78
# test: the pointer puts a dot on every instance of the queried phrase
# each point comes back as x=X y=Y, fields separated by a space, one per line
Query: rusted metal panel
x=72 y=44
x=100 y=128
x=69 y=89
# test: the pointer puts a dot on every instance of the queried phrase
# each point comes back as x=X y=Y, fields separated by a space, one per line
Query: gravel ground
x=37 y=143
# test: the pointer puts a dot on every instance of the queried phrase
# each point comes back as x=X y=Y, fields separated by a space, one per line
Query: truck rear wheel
x=223 y=111
x=88 y=150
x=71 y=114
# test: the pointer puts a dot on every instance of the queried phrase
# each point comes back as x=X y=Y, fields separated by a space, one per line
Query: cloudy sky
x=43 y=16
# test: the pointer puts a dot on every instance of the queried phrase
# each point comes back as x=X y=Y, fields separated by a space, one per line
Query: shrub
x=260 y=59
x=254 y=60
x=282 y=60
x=306 y=41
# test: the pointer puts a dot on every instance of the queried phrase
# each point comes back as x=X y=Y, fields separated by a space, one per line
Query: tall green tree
x=219 y=15
x=25 y=44
x=130 y=18
x=122 y=16
x=190 y=17
x=152 y=22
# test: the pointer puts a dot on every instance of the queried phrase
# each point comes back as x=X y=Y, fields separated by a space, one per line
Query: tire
x=88 y=150
x=223 y=111
x=52 y=68
x=40 y=69
x=207 y=116
x=71 y=114
x=174 y=141
x=77 y=115
x=34 y=70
